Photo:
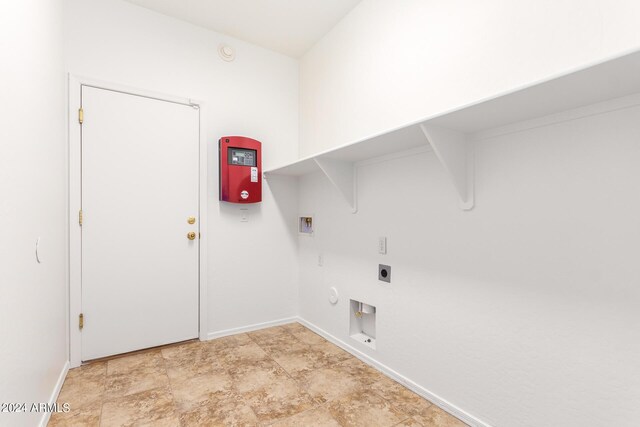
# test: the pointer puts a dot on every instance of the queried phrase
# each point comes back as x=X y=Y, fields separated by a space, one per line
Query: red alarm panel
x=240 y=169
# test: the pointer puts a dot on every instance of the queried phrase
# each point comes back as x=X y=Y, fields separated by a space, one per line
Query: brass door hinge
x=80 y=217
x=81 y=321
x=80 y=115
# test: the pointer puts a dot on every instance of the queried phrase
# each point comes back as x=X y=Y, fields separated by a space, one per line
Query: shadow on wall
x=238 y=211
x=279 y=188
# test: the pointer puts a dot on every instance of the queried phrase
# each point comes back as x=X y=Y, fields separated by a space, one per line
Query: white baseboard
x=54 y=394
x=432 y=397
x=250 y=328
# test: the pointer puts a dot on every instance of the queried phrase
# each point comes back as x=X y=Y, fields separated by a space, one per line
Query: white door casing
x=140 y=181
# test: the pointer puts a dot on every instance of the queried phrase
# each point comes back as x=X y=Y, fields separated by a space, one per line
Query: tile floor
x=281 y=376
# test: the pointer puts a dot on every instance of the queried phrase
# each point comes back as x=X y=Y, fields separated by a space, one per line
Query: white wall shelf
x=448 y=133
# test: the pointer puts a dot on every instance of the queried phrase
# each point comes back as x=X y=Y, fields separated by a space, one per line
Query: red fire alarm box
x=240 y=169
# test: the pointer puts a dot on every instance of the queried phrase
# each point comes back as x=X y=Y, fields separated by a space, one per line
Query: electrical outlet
x=384 y=273
x=243 y=215
x=382 y=245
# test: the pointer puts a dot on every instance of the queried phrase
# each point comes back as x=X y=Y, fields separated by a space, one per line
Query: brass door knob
x=191 y=235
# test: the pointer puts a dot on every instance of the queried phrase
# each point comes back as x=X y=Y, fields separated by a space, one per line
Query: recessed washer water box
x=305 y=225
x=362 y=324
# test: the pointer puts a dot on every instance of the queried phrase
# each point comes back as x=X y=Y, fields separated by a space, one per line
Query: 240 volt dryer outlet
x=384 y=273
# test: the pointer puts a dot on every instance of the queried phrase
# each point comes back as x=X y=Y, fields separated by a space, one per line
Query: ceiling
x=288 y=26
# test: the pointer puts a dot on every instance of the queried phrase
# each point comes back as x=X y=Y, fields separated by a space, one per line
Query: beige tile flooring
x=281 y=376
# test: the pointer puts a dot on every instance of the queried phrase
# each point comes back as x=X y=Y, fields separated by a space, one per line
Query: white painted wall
x=521 y=312
x=252 y=270
x=389 y=63
x=33 y=315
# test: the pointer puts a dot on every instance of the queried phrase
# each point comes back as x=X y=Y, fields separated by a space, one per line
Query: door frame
x=75 y=84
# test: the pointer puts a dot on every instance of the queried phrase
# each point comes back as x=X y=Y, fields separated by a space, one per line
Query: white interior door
x=139 y=187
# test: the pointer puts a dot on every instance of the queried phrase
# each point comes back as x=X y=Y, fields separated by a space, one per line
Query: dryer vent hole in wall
x=362 y=325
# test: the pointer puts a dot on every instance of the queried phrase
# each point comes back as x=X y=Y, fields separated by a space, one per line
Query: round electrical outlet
x=333 y=295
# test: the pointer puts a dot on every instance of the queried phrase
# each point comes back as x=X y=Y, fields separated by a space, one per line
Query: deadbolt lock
x=191 y=235
x=191 y=220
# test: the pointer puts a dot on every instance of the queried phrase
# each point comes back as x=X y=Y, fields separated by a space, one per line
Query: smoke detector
x=226 y=52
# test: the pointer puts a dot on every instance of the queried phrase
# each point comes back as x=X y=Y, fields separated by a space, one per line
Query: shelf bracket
x=455 y=153
x=343 y=177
